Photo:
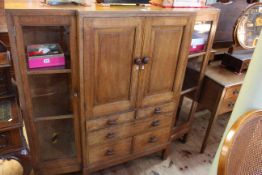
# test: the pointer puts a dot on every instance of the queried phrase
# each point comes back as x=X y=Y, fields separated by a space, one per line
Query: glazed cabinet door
x=49 y=95
x=164 y=56
x=111 y=46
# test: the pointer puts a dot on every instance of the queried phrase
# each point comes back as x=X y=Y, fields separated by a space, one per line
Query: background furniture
x=116 y=98
x=219 y=94
x=242 y=151
x=12 y=143
x=195 y=72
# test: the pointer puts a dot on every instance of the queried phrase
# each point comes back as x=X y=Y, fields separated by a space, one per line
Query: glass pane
x=200 y=36
x=56 y=139
x=5 y=111
x=50 y=94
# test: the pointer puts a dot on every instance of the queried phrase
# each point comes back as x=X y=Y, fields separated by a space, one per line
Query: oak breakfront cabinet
x=116 y=97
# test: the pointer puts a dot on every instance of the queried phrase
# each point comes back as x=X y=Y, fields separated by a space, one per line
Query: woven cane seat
x=242 y=150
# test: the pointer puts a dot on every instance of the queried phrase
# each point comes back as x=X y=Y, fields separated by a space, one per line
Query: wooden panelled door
x=166 y=40
x=111 y=46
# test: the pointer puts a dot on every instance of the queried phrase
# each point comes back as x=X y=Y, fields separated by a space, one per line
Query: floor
x=185 y=159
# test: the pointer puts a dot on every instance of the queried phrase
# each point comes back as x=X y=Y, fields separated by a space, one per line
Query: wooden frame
x=225 y=151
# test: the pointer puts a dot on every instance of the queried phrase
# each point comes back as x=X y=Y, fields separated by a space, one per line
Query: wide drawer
x=109 y=121
x=151 y=139
x=110 y=134
x=156 y=110
x=109 y=151
x=227 y=105
x=156 y=122
x=232 y=92
x=10 y=140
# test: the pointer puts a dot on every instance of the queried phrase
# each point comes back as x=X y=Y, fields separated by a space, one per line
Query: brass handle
x=145 y=60
x=110 y=135
x=157 y=110
x=153 y=139
x=138 y=61
x=112 y=122
x=3 y=141
x=109 y=152
x=54 y=138
x=155 y=123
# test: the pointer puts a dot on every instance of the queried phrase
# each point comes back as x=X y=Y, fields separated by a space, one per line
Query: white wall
x=250 y=96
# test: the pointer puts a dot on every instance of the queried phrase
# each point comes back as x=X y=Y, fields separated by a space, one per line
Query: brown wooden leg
x=184 y=138
x=207 y=134
x=166 y=152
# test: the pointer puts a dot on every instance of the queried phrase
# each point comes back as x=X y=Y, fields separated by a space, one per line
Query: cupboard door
x=111 y=46
x=165 y=51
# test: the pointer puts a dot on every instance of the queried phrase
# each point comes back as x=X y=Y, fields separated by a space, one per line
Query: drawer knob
x=235 y=92
x=110 y=135
x=153 y=139
x=3 y=140
x=112 y=122
x=109 y=152
x=157 y=110
x=155 y=123
x=231 y=105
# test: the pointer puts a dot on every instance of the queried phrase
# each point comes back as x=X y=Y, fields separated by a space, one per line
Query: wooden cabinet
x=132 y=69
x=116 y=97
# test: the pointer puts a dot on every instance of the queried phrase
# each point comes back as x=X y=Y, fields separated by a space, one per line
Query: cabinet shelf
x=51 y=71
x=57 y=117
x=196 y=54
x=186 y=91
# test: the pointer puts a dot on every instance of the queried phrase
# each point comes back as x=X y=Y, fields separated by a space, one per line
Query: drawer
x=111 y=134
x=151 y=139
x=108 y=152
x=232 y=92
x=10 y=140
x=156 y=110
x=227 y=105
x=156 y=122
x=110 y=121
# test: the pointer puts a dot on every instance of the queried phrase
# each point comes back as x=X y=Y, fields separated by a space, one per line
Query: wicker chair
x=242 y=149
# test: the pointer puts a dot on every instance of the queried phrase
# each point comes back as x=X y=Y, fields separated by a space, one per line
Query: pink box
x=197 y=45
x=37 y=59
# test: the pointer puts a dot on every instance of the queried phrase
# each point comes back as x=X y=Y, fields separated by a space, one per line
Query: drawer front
x=110 y=134
x=151 y=139
x=110 y=121
x=156 y=110
x=232 y=92
x=156 y=122
x=10 y=140
x=109 y=151
x=227 y=105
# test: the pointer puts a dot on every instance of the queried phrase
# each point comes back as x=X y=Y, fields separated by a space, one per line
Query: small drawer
x=10 y=140
x=156 y=110
x=108 y=152
x=156 y=122
x=232 y=92
x=110 y=121
x=151 y=139
x=111 y=134
x=227 y=105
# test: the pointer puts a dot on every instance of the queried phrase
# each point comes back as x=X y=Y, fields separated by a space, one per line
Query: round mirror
x=248 y=26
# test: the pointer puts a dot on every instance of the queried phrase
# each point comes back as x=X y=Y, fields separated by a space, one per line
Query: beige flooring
x=184 y=160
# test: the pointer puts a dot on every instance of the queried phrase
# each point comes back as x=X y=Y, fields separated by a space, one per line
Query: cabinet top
x=37 y=7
